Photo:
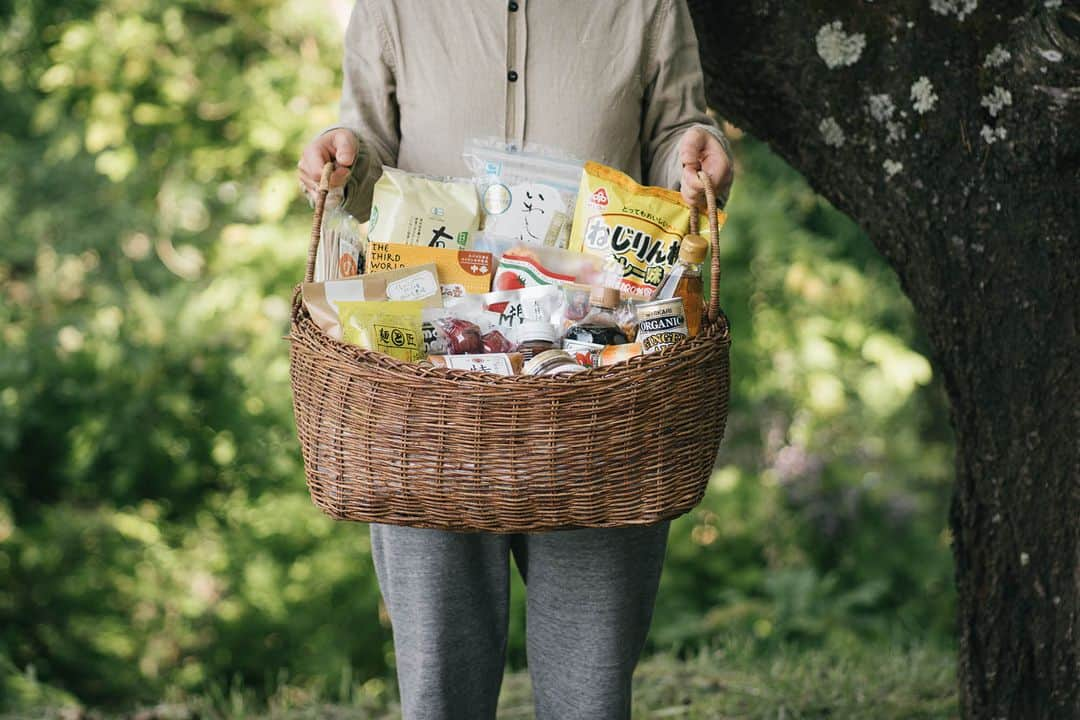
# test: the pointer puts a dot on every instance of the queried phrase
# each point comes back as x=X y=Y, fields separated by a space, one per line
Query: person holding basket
x=619 y=82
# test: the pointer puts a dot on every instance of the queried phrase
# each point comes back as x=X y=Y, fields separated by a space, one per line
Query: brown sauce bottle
x=684 y=281
x=600 y=325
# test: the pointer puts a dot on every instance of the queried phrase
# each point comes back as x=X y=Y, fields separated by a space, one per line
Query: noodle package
x=636 y=229
x=323 y=299
x=391 y=327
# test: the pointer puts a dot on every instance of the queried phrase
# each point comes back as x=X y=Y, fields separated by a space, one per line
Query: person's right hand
x=338 y=145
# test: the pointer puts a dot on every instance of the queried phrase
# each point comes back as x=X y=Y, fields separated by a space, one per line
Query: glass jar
x=535 y=337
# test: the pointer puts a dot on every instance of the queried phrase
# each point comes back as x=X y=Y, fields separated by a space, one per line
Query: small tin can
x=583 y=353
x=552 y=362
x=661 y=324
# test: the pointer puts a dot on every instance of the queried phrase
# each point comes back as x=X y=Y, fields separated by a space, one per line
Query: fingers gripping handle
x=316 y=223
x=714 y=244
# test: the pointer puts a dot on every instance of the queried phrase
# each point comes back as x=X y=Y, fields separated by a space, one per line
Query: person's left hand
x=700 y=150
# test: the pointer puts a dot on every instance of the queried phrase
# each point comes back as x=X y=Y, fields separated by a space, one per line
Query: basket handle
x=316 y=223
x=714 y=244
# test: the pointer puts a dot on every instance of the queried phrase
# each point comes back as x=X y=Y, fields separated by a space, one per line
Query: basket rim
x=305 y=335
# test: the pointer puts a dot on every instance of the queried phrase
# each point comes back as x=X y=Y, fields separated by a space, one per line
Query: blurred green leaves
x=155 y=531
x=825 y=518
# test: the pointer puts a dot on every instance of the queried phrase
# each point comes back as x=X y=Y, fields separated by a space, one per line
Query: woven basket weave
x=393 y=442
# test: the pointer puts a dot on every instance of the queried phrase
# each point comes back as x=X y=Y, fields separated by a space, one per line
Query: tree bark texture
x=968 y=184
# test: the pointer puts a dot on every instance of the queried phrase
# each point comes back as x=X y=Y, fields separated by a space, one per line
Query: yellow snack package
x=637 y=229
x=391 y=327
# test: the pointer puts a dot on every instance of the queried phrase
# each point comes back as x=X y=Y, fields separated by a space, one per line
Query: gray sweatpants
x=590 y=596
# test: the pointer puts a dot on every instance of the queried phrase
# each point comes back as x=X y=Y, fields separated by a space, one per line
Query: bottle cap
x=536 y=330
x=693 y=249
x=604 y=297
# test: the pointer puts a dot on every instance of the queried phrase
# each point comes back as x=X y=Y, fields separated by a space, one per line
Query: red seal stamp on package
x=599 y=198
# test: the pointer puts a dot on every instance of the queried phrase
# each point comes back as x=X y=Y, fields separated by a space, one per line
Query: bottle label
x=663 y=323
x=585 y=353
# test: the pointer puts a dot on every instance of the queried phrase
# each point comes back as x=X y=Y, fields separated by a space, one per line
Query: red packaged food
x=462 y=337
x=496 y=342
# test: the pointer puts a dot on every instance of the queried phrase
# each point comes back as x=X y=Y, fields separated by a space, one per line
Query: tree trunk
x=968 y=184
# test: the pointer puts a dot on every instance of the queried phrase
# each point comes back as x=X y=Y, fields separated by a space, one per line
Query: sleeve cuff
x=362 y=176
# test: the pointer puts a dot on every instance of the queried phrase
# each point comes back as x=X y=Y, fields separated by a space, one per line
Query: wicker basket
x=393 y=442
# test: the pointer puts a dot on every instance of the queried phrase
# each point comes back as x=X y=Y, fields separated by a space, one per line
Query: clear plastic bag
x=465 y=328
x=342 y=241
x=519 y=264
x=527 y=194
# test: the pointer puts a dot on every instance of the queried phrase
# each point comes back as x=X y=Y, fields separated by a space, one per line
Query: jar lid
x=541 y=361
x=536 y=330
x=604 y=297
x=693 y=249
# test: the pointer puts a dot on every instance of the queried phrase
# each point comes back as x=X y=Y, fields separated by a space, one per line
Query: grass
x=735 y=680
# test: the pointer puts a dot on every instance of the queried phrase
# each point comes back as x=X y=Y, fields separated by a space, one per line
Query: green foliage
x=155 y=534
x=155 y=529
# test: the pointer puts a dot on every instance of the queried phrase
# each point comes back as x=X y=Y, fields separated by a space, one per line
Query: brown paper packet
x=420 y=282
